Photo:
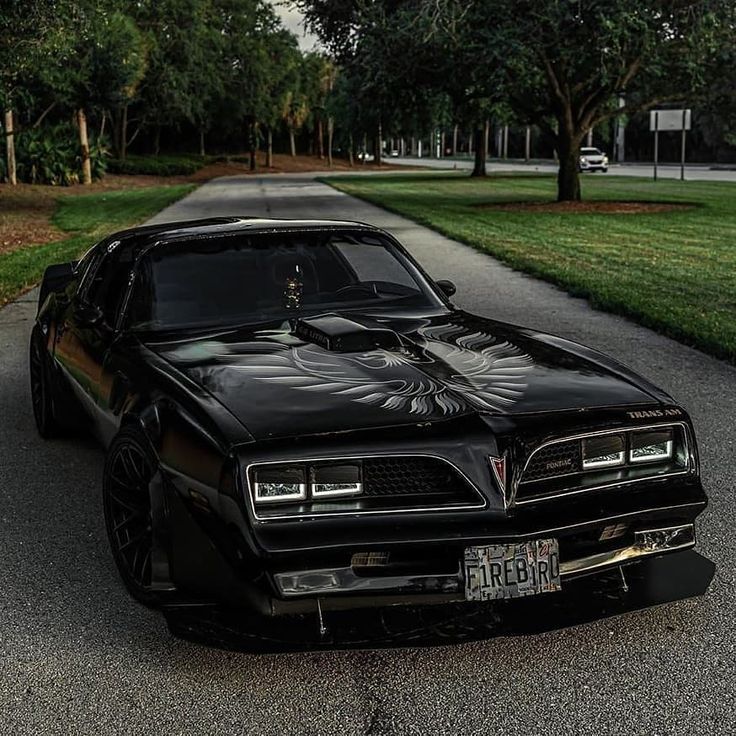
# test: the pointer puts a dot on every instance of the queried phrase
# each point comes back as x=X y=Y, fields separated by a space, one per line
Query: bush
x=51 y=155
x=174 y=165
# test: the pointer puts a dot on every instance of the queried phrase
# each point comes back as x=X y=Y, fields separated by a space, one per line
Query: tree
x=29 y=32
x=177 y=39
x=568 y=62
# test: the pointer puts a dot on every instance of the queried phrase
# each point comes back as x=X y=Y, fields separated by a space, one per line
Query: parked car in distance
x=297 y=418
x=593 y=159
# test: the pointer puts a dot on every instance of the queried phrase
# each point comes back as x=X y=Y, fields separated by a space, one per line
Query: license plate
x=512 y=570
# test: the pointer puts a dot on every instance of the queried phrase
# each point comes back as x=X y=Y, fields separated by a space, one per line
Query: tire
x=605 y=170
x=42 y=398
x=129 y=466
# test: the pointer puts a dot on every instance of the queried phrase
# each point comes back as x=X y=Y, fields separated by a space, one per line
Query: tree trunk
x=102 y=126
x=84 y=144
x=486 y=134
x=292 y=142
x=350 y=150
x=157 y=140
x=269 y=149
x=568 y=177
x=320 y=139
x=330 y=132
x=454 y=140
x=10 y=148
x=124 y=133
x=201 y=142
x=377 y=147
x=365 y=148
x=479 y=168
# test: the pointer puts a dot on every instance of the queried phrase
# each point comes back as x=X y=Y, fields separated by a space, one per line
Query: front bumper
x=449 y=586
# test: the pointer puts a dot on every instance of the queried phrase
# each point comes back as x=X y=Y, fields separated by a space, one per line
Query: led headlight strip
x=301 y=482
x=654 y=445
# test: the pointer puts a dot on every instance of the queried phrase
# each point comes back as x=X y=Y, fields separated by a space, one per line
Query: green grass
x=672 y=271
x=87 y=218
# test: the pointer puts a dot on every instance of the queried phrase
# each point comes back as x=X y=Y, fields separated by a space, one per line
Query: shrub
x=167 y=165
x=51 y=155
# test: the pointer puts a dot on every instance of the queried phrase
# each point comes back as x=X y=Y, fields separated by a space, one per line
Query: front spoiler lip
x=344 y=581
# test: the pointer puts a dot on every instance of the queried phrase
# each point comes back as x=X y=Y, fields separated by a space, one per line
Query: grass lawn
x=85 y=218
x=674 y=271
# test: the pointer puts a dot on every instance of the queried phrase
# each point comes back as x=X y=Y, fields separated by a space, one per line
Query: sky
x=292 y=19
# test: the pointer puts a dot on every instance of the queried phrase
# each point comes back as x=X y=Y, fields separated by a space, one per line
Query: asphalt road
x=78 y=656
x=666 y=171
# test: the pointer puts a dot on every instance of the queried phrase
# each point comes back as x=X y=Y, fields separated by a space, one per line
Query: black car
x=297 y=418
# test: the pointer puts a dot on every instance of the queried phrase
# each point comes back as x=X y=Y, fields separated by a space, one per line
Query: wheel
x=41 y=389
x=605 y=169
x=129 y=466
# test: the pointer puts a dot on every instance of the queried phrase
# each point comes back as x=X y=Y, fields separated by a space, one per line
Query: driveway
x=78 y=656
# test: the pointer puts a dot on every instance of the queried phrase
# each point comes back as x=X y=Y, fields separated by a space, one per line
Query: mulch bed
x=586 y=208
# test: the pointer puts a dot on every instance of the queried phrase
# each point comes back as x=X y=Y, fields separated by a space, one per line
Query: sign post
x=656 y=142
x=682 y=152
x=670 y=120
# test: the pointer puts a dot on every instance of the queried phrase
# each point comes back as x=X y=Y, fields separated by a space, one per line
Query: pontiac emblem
x=558 y=464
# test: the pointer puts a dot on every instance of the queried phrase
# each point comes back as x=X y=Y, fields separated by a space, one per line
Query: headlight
x=583 y=160
x=651 y=446
x=335 y=480
x=296 y=482
x=603 y=452
x=280 y=483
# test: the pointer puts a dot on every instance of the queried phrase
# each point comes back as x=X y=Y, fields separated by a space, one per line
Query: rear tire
x=42 y=397
x=129 y=467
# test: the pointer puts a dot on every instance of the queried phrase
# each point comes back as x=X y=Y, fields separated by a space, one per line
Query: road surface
x=666 y=171
x=78 y=656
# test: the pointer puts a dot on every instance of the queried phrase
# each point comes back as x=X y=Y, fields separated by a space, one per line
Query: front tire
x=129 y=467
x=41 y=389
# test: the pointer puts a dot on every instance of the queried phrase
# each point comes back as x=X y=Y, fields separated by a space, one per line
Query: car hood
x=280 y=380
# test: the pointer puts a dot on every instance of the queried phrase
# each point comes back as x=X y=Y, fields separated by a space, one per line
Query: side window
x=107 y=279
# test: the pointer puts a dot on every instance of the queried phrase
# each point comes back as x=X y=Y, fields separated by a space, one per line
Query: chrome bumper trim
x=338 y=580
x=649 y=542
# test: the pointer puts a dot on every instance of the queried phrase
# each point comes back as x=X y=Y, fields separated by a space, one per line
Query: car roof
x=146 y=236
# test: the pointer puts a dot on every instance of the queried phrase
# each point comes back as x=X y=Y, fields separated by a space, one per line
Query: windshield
x=590 y=152
x=261 y=277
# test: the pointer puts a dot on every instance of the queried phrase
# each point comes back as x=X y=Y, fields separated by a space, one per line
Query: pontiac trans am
x=297 y=418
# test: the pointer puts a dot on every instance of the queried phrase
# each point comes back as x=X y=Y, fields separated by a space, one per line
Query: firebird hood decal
x=455 y=365
x=452 y=371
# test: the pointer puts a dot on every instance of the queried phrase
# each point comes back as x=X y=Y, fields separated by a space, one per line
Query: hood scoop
x=342 y=335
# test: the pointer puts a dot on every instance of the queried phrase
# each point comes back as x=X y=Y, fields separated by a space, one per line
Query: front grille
x=410 y=476
x=554 y=460
x=390 y=483
x=557 y=468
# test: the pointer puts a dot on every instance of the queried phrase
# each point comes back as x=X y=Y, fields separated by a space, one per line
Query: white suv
x=591 y=159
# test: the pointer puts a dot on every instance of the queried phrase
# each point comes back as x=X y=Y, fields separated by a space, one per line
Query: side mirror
x=55 y=278
x=447 y=287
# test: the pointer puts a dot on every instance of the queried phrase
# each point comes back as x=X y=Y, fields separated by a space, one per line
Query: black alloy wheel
x=41 y=391
x=129 y=467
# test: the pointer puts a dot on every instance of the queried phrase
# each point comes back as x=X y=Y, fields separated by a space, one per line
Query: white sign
x=664 y=120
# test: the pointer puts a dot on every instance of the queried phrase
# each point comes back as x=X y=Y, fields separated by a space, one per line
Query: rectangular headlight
x=603 y=452
x=647 y=447
x=335 y=480
x=280 y=483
